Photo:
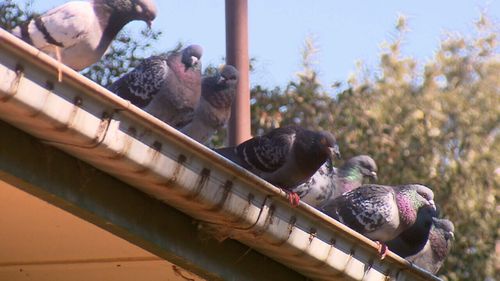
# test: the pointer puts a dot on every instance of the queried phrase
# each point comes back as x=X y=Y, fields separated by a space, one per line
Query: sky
x=345 y=32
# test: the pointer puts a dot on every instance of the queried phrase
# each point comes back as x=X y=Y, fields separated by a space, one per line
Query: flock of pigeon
x=300 y=161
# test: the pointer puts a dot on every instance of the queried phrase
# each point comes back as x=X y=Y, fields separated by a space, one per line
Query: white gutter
x=92 y=124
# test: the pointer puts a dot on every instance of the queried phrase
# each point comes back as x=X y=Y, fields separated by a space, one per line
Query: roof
x=90 y=123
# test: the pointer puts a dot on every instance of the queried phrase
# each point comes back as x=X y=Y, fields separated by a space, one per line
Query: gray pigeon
x=380 y=212
x=214 y=109
x=329 y=182
x=285 y=157
x=438 y=246
x=78 y=33
x=167 y=86
x=413 y=239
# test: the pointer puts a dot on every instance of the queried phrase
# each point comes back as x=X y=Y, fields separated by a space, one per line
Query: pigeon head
x=441 y=236
x=144 y=10
x=191 y=56
x=228 y=76
x=363 y=164
x=446 y=227
x=219 y=89
x=410 y=198
x=329 y=145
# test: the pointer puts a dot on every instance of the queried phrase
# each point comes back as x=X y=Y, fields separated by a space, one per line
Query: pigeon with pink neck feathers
x=167 y=86
x=214 y=108
x=380 y=212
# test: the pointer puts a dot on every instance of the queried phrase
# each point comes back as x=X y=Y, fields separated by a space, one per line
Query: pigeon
x=168 y=86
x=380 y=212
x=286 y=156
x=329 y=182
x=78 y=33
x=413 y=239
x=214 y=108
x=438 y=246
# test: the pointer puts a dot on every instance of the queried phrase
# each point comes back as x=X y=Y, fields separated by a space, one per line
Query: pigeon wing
x=141 y=84
x=62 y=26
x=364 y=209
x=266 y=153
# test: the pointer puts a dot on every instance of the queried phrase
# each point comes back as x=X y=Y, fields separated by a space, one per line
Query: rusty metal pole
x=237 y=55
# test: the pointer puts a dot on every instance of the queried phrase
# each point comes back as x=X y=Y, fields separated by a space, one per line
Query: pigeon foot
x=382 y=249
x=59 y=60
x=294 y=199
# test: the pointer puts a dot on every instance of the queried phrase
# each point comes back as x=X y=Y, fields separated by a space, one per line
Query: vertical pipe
x=237 y=55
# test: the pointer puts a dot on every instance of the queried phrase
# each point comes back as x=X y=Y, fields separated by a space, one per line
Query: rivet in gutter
x=312 y=234
x=388 y=276
x=181 y=159
x=156 y=145
x=77 y=102
x=226 y=190
x=367 y=266
x=14 y=86
x=49 y=85
x=200 y=184
x=132 y=131
x=269 y=217
x=290 y=227
x=102 y=129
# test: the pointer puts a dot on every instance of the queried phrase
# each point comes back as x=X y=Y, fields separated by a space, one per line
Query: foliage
x=437 y=124
x=12 y=15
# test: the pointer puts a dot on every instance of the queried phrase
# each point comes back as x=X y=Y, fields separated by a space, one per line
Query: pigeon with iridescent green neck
x=380 y=212
x=330 y=182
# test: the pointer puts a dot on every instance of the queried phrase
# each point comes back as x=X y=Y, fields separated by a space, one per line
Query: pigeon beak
x=432 y=204
x=373 y=175
x=335 y=153
x=194 y=60
x=221 y=80
x=452 y=236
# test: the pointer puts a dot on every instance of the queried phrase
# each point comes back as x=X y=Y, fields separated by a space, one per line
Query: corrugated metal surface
x=92 y=124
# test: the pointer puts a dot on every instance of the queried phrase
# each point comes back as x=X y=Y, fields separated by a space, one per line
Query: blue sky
x=345 y=31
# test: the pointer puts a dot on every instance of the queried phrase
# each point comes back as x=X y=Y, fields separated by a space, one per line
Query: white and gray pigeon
x=437 y=248
x=285 y=157
x=167 y=86
x=214 y=109
x=330 y=182
x=82 y=31
x=413 y=239
x=380 y=212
